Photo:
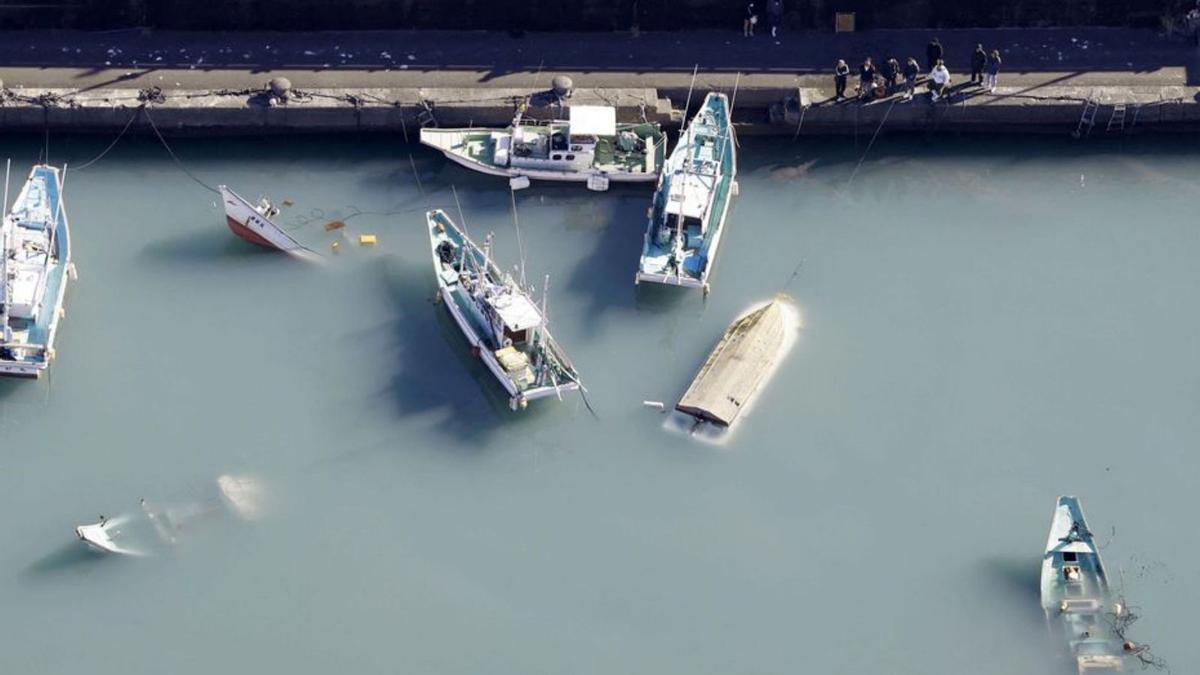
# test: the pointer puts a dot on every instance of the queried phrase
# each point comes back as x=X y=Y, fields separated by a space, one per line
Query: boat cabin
x=557 y=146
x=515 y=316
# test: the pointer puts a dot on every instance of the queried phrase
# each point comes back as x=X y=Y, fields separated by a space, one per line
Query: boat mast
x=62 y=181
x=728 y=128
x=517 y=226
x=4 y=227
x=686 y=135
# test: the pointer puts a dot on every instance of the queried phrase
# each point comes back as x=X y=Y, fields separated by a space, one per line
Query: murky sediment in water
x=987 y=324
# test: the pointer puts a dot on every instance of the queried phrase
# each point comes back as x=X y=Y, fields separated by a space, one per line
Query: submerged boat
x=502 y=323
x=1076 y=596
x=36 y=265
x=252 y=222
x=589 y=146
x=153 y=528
x=692 y=201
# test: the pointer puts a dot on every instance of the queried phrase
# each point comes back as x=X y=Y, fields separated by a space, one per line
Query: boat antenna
x=6 y=330
x=62 y=183
x=462 y=219
x=520 y=245
x=687 y=104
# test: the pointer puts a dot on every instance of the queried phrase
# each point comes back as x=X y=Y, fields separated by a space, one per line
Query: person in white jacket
x=939 y=80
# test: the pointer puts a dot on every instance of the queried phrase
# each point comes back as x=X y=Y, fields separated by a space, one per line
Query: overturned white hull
x=253 y=224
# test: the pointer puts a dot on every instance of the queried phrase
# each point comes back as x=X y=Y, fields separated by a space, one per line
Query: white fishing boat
x=590 y=146
x=1075 y=593
x=505 y=328
x=253 y=223
x=687 y=215
x=153 y=528
x=36 y=264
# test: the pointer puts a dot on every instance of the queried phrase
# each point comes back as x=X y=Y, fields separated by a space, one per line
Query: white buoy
x=597 y=183
x=518 y=182
x=657 y=405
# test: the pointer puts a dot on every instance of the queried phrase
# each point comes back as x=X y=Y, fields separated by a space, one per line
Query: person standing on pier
x=866 y=78
x=750 y=20
x=978 y=61
x=891 y=73
x=911 y=70
x=841 y=73
x=992 y=71
x=774 y=15
x=933 y=53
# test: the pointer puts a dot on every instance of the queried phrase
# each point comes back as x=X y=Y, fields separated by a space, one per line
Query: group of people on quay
x=885 y=79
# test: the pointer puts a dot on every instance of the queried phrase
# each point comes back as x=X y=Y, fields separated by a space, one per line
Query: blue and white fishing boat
x=506 y=329
x=35 y=267
x=1075 y=593
x=692 y=201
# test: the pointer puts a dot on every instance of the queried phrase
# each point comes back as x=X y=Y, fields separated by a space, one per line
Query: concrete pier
x=393 y=81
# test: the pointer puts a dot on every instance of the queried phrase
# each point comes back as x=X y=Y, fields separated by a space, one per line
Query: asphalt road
x=1032 y=58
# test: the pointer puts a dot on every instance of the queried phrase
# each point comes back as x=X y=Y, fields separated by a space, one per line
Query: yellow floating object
x=367 y=240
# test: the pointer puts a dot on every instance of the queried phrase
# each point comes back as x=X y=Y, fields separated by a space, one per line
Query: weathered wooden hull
x=736 y=367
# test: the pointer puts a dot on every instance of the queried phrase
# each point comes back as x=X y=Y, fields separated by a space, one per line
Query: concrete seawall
x=760 y=110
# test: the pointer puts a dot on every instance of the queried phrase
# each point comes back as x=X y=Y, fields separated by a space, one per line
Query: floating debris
x=367 y=240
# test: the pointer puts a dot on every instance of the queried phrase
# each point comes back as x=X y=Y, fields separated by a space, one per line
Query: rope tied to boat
x=178 y=162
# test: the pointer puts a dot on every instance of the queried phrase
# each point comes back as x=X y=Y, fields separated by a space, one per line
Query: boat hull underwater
x=505 y=329
x=1075 y=593
x=589 y=148
x=153 y=529
x=35 y=270
x=253 y=224
x=687 y=215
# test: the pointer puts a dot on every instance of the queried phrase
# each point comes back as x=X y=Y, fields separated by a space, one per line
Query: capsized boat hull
x=250 y=224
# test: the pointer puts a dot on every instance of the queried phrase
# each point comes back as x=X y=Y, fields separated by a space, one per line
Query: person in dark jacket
x=978 y=61
x=991 y=71
x=891 y=73
x=841 y=73
x=911 y=70
x=774 y=15
x=750 y=20
x=933 y=53
x=866 y=78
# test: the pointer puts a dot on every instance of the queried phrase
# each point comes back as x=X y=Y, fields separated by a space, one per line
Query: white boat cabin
x=515 y=316
x=559 y=146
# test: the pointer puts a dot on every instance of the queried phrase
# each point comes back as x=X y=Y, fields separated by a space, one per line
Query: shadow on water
x=66 y=558
x=435 y=371
x=202 y=247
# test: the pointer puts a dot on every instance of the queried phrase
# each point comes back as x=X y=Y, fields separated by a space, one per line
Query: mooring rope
x=871 y=143
x=175 y=157
x=116 y=140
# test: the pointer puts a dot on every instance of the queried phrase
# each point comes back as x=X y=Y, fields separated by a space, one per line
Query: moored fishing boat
x=36 y=264
x=1075 y=593
x=691 y=203
x=253 y=223
x=590 y=146
x=502 y=323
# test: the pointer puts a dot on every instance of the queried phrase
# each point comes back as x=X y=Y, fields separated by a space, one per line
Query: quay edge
x=759 y=111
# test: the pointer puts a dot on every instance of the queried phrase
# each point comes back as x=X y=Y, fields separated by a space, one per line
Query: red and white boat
x=253 y=223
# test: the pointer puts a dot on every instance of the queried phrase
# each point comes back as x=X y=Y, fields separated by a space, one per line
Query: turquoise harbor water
x=987 y=325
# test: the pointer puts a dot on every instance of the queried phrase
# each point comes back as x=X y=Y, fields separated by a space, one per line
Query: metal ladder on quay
x=1116 y=121
x=425 y=117
x=1087 y=120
